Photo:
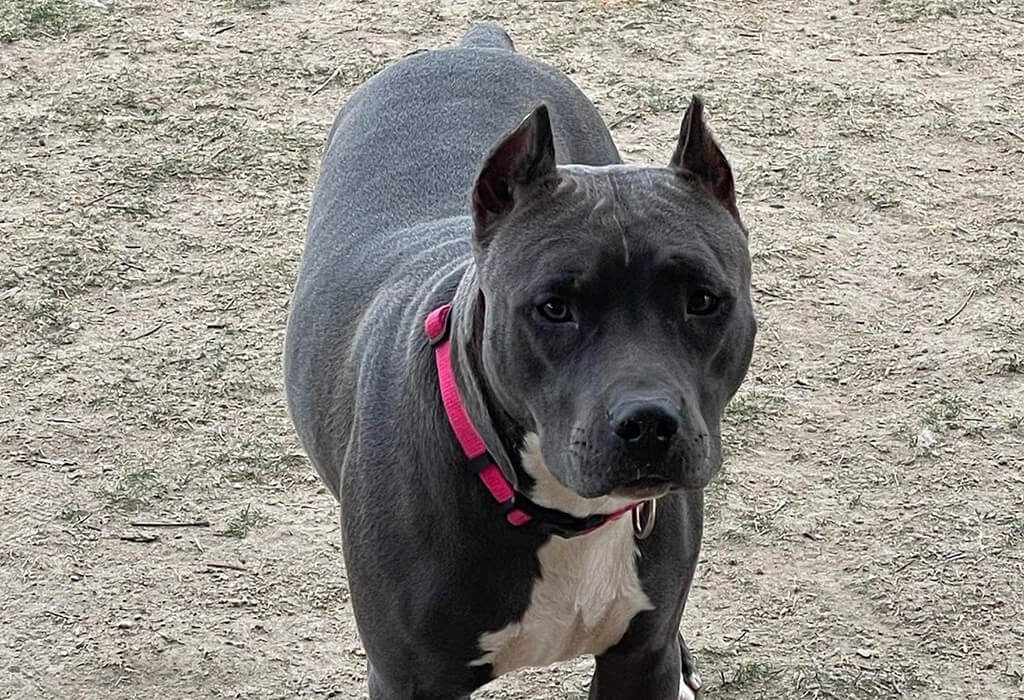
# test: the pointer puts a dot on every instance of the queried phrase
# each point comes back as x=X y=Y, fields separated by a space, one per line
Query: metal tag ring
x=643 y=519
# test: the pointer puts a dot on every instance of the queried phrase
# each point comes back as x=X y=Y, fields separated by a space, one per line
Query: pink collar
x=518 y=509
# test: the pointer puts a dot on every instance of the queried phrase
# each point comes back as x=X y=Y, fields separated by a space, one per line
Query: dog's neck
x=501 y=433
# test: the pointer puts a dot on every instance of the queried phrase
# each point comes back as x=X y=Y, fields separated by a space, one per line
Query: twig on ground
x=144 y=539
x=776 y=508
x=902 y=52
x=1005 y=18
x=233 y=567
x=946 y=321
x=624 y=118
x=133 y=266
x=59 y=615
x=907 y=563
x=147 y=333
x=54 y=462
x=148 y=523
x=111 y=193
x=327 y=82
x=129 y=209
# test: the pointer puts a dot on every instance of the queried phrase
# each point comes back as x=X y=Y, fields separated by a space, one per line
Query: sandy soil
x=866 y=539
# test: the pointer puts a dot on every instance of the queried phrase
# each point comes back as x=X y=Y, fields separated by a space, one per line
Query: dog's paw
x=689 y=685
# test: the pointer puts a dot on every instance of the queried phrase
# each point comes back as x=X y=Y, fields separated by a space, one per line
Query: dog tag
x=643 y=519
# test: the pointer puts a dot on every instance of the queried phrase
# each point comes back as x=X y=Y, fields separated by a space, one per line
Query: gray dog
x=507 y=353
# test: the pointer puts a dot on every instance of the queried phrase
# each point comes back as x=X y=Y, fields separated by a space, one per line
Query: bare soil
x=866 y=538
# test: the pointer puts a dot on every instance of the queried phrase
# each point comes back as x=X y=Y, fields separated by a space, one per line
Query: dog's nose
x=646 y=428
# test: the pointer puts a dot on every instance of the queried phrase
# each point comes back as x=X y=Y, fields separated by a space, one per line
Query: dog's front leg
x=689 y=688
x=665 y=674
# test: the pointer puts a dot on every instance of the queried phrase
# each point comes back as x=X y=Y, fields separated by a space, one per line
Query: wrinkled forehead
x=627 y=218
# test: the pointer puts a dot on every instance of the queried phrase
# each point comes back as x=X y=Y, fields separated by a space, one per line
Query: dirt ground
x=866 y=538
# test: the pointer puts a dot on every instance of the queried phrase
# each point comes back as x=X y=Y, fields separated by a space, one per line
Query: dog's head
x=617 y=320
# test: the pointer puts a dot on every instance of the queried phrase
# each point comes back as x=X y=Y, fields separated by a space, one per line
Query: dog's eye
x=701 y=302
x=555 y=310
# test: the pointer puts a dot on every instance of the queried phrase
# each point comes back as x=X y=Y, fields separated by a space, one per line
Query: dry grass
x=156 y=160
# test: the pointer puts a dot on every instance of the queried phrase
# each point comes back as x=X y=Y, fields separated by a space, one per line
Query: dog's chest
x=587 y=593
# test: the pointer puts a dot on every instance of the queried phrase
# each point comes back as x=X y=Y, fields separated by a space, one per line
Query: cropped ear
x=698 y=157
x=524 y=157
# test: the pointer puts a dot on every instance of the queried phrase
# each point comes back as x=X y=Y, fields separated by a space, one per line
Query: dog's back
x=390 y=216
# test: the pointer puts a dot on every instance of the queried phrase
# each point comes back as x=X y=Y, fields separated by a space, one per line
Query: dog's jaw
x=548 y=491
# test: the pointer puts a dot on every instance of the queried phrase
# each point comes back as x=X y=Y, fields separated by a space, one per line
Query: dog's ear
x=524 y=157
x=699 y=158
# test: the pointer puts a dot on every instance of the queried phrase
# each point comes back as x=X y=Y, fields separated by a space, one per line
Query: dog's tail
x=487 y=35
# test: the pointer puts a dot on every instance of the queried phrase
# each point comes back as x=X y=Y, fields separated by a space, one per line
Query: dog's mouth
x=644 y=488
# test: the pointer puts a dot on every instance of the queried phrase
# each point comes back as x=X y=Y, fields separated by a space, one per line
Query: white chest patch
x=588 y=590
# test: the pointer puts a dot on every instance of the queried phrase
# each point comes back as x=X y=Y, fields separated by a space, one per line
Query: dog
x=508 y=355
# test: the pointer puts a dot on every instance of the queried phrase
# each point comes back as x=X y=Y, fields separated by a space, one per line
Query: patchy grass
x=1013 y=538
x=751 y=674
x=135 y=489
x=821 y=174
x=753 y=407
x=256 y=463
x=72 y=513
x=1015 y=421
x=248 y=519
x=854 y=682
x=269 y=157
x=1015 y=677
x=762 y=521
x=766 y=680
x=716 y=493
x=46 y=318
x=69 y=268
x=256 y=4
x=909 y=12
x=944 y=413
x=1008 y=362
x=16 y=169
x=149 y=402
x=51 y=19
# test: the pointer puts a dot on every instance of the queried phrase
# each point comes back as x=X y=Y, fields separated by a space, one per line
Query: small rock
x=124 y=624
x=865 y=653
x=925 y=438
